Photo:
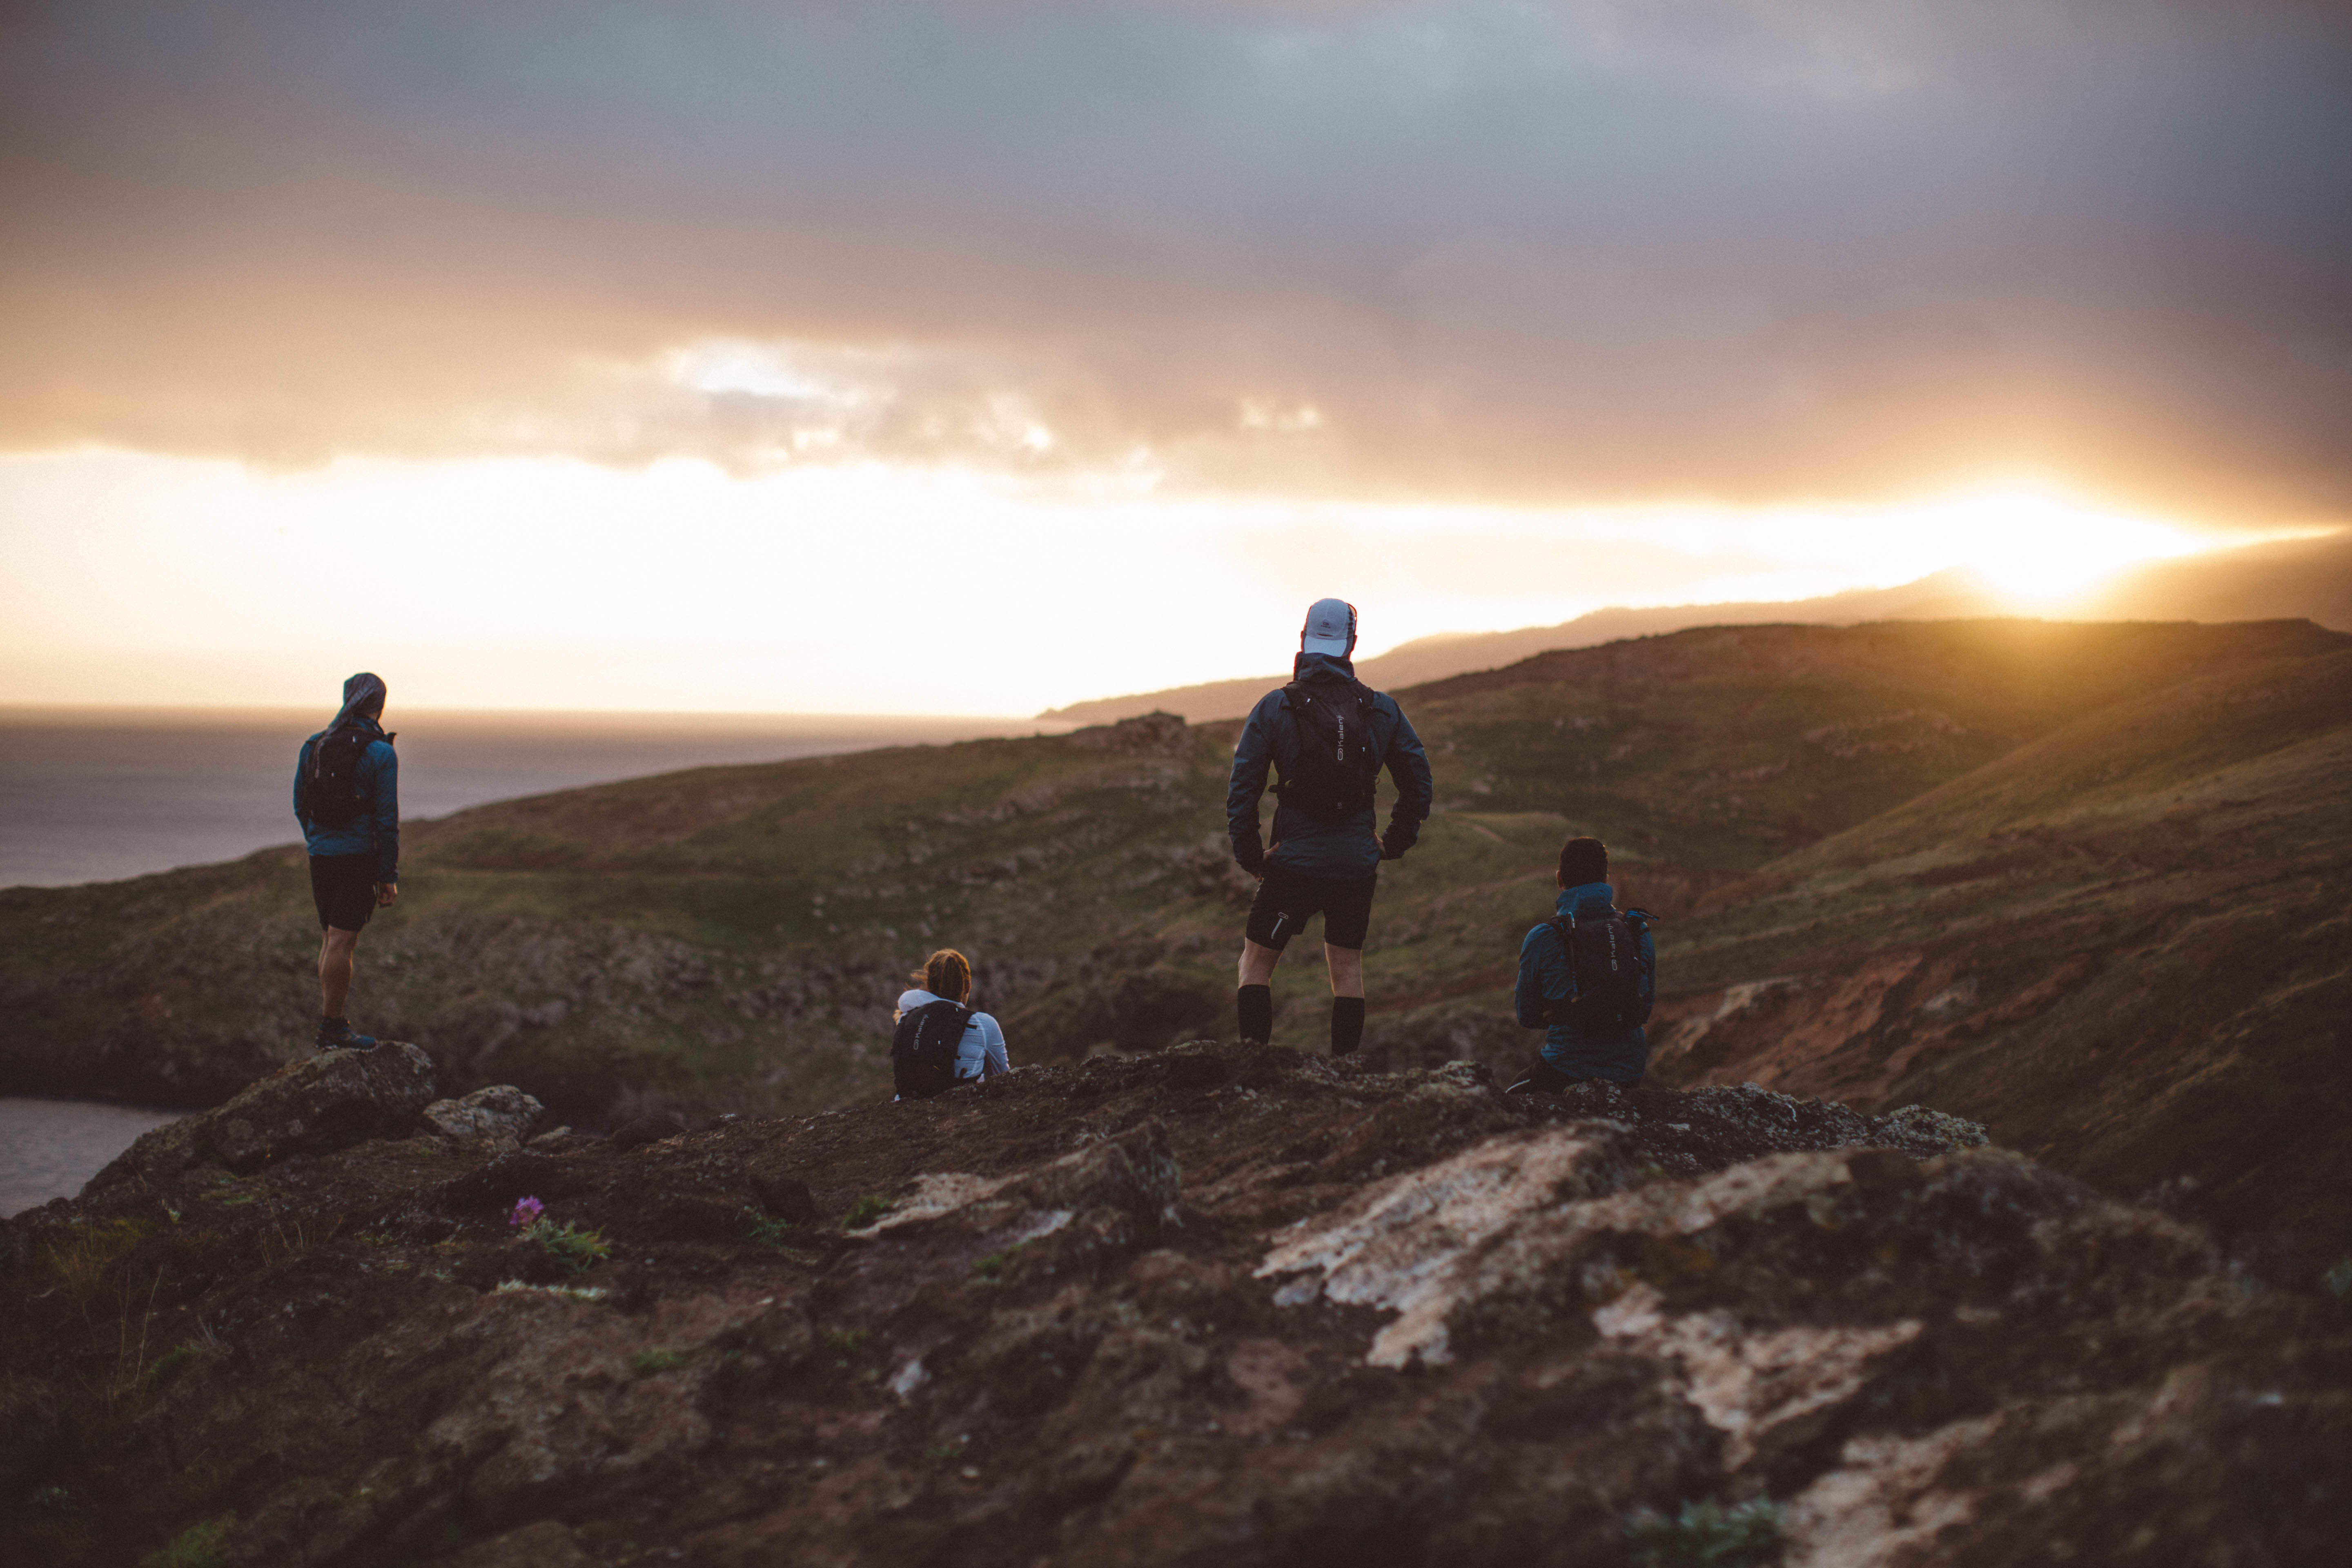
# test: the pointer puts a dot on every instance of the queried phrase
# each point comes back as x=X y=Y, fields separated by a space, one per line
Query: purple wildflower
x=525 y=1212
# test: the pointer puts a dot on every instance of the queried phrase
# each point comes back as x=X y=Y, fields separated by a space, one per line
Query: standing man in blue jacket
x=1328 y=735
x=1548 y=982
x=347 y=798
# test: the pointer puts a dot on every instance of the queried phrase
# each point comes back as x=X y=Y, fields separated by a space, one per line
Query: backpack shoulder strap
x=1564 y=927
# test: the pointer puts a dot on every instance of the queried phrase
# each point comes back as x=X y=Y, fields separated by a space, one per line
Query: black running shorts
x=344 y=886
x=1284 y=900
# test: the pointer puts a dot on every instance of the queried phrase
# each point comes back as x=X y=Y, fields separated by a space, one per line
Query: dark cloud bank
x=1506 y=252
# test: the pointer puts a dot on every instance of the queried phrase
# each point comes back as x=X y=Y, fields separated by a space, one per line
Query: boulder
x=650 y=1129
x=499 y=1117
x=309 y=1107
x=786 y=1198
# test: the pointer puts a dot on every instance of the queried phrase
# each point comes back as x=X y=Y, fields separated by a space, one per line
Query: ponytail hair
x=946 y=973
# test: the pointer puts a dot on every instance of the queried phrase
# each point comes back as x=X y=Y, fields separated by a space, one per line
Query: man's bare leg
x=1347 y=967
x=335 y=948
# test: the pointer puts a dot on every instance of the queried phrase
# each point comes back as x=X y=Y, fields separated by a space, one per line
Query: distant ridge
x=2307 y=579
x=1945 y=596
x=2296 y=579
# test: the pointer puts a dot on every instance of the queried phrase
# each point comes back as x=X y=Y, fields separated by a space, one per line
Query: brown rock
x=546 y=1544
x=311 y=1107
x=498 y=1117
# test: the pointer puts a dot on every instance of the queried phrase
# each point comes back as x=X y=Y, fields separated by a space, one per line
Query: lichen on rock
x=1219 y=1304
x=314 y=1106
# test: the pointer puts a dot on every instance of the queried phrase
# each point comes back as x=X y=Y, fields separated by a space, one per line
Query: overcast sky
x=1520 y=261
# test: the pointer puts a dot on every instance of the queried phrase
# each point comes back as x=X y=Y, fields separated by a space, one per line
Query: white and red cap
x=1330 y=628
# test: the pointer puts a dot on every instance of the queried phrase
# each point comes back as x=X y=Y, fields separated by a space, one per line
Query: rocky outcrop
x=498 y=1117
x=1219 y=1304
x=321 y=1103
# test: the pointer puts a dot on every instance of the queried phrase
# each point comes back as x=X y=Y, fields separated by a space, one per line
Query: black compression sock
x=1256 y=1005
x=1347 y=1024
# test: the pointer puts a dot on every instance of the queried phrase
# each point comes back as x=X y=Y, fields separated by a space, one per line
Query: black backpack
x=330 y=782
x=1338 y=766
x=1604 y=964
x=923 y=1051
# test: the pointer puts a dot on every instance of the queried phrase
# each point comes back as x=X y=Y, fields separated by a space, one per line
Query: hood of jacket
x=1572 y=900
x=363 y=696
x=1322 y=667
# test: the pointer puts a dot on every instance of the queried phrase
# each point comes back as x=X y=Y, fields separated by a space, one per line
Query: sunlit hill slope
x=2300 y=579
x=1810 y=807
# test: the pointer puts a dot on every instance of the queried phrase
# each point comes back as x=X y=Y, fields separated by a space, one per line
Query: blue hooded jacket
x=1311 y=845
x=1544 y=976
x=376 y=829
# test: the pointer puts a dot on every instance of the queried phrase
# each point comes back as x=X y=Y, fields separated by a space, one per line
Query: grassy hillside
x=2123 y=947
x=738 y=933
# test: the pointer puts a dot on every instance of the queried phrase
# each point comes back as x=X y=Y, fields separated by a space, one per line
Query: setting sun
x=2041 y=547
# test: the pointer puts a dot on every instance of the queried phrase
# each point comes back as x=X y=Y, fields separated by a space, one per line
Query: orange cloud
x=1590 y=252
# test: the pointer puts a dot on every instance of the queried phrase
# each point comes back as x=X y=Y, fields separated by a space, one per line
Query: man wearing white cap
x=1328 y=735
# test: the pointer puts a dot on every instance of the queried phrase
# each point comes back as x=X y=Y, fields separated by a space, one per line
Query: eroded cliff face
x=1212 y=1304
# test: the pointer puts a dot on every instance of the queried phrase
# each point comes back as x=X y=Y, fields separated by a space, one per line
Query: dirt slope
x=1209 y=1305
x=2123 y=947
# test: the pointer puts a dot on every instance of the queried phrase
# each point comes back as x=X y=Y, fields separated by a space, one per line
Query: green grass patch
x=1709 y=1535
x=575 y=1249
x=198 y=1546
x=769 y=1230
x=867 y=1210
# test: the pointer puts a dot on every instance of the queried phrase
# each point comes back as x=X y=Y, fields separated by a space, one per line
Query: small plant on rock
x=85 y=1263
x=198 y=1546
x=576 y=1249
x=1709 y=1535
x=769 y=1230
x=167 y=1366
x=991 y=1270
x=645 y=1363
x=865 y=1211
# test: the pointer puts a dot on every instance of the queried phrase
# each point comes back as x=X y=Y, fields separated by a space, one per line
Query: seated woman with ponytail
x=918 y=1051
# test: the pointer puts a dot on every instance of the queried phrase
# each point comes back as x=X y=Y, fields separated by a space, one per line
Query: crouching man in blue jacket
x=1587 y=979
x=1330 y=736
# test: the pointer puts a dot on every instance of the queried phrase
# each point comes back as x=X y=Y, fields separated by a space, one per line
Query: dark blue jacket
x=1544 y=976
x=376 y=829
x=1307 y=845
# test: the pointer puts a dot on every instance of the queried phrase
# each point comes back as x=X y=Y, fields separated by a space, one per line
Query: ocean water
x=96 y=794
x=48 y=1148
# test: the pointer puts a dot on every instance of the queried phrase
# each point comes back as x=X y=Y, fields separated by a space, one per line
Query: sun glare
x=2041 y=547
x=680 y=585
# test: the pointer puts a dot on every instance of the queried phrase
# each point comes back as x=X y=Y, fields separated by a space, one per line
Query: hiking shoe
x=340 y=1036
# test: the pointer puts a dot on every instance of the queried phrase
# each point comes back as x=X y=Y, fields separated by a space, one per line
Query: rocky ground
x=1210 y=1304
